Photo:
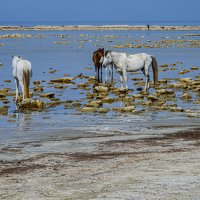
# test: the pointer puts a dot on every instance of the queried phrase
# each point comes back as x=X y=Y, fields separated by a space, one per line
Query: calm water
x=71 y=54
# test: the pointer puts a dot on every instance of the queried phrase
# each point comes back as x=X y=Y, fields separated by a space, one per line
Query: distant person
x=148 y=26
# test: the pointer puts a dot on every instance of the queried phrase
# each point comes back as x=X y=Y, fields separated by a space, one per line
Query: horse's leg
x=112 y=73
x=96 y=72
x=101 y=74
x=146 y=73
x=106 y=73
x=121 y=79
x=125 y=79
x=23 y=93
x=17 y=90
x=147 y=83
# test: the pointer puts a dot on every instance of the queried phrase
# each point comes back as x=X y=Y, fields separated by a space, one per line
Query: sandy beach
x=99 y=28
x=165 y=167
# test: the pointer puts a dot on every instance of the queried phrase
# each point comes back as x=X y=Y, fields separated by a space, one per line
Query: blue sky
x=102 y=10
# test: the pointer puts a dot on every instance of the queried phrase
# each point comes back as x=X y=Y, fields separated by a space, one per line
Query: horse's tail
x=26 y=81
x=155 y=69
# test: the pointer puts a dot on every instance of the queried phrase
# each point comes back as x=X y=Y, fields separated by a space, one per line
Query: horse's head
x=107 y=60
x=101 y=52
x=15 y=60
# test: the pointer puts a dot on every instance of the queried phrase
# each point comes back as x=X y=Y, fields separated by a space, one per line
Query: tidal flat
x=95 y=141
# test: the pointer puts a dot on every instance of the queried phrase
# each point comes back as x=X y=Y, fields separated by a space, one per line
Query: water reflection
x=23 y=122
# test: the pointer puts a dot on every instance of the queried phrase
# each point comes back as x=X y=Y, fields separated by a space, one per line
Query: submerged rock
x=30 y=104
x=89 y=109
x=124 y=109
x=3 y=110
x=95 y=103
x=165 y=91
x=36 y=82
x=101 y=89
x=176 y=109
x=62 y=80
x=187 y=95
x=103 y=110
x=47 y=95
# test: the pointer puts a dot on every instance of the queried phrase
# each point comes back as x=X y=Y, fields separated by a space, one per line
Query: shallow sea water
x=70 y=52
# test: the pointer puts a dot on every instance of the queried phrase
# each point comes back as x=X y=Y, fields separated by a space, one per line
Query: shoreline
x=145 y=168
x=99 y=28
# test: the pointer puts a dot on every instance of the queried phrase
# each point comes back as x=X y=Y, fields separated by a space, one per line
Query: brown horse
x=97 y=55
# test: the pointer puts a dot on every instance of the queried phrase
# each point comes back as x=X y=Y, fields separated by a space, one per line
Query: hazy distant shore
x=99 y=28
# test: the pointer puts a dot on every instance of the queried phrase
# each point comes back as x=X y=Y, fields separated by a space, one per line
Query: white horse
x=22 y=72
x=124 y=63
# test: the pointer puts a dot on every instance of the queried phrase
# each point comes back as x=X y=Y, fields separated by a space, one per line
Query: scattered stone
x=103 y=110
x=36 y=82
x=30 y=104
x=7 y=81
x=187 y=80
x=152 y=98
x=124 y=109
x=60 y=87
x=165 y=91
x=184 y=71
x=176 y=109
x=38 y=89
x=194 y=68
x=95 y=103
x=187 y=95
x=76 y=104
x=62 y=80
x=101 y=89
x=47 y=95
x=3 y=110
x=164 y=65
x=89 y=109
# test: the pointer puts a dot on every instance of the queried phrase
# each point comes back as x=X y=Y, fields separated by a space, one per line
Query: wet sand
x=164 y=167
x=99 y=28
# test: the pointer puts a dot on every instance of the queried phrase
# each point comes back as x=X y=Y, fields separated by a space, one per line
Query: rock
x=109 y=100
x=152 y=98
x=101 y=89
x=60 y=87
x=186 y=95
x=7 y=81
x=176 y=109
x=76 y=104
x=62 y=80
x=147 y=103
x=127 y=109
x=164 y=65
x=2 y=95
x=88 y=109
x=95 y=103
x=3 y=110
x=38 y=89
x=194 y=68
x=187 y=80
x=30 y=104
x=103 y=110
x=36 y=82
x=184 y=71
x=138 y=96
x=165 y=91
x=47 y=95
